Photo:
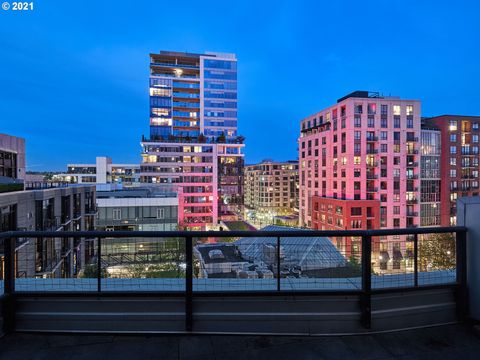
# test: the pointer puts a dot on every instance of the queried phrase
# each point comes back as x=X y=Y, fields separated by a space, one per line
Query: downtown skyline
x=84 y=93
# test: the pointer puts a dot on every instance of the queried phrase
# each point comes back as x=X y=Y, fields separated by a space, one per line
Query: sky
x=74 y=74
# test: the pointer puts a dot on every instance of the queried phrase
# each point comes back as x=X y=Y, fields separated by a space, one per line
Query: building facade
x=365 y=147
x=430 y=177
x=12 y=163
x=459 y=161
x=69 y=208
x=139 y=209
x=102 y=172
x=193 y=141
x=338 y=214
x=271 y=187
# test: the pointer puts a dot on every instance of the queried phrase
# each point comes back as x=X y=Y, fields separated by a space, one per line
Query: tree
x=90 y=272
x=436 y=252
x=146 y=271
x=221 y=138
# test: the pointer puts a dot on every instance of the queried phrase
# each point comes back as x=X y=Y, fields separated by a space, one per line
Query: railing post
x=99 y=264
x=278 y=263
x=365 y=301
x=461 y=270
x=415 y=260
x=9 y=285
x=189 y=284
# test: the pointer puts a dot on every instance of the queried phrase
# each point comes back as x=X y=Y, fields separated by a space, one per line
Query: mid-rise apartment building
x=365 y=147
x=459 y=161
x=68 y=208
x=272 y=187
x=12 y=163
x=103 y=171
x=193 y=141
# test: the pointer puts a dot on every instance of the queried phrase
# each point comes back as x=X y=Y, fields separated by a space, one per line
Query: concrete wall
x=303 y=315
x=468 y=214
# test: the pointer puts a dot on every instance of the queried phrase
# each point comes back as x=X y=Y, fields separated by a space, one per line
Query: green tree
x=436 y=252
x=221 y=138
x=90 y=272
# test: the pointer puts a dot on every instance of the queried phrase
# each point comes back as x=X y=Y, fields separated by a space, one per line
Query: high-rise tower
x=193 y=135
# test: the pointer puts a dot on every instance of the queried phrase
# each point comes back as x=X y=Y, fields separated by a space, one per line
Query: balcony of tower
x=174 y=72
x=195 y=140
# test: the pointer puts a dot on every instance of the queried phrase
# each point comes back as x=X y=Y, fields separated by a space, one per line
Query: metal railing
x=362 y=269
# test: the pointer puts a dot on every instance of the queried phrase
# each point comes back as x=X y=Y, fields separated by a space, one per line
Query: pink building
x=365 y=147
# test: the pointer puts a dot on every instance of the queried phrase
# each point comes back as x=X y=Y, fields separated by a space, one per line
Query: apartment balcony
x=176 y=66
x=372 y=189
x=182 y=282
x=412 y=201
x=185 y=105
x=412 y=139
x=372 y=151
x=192 y=140
x=412 y=151
x=175 y=77
x=185 y=86
x=180 y=95
x=372 y=176
x=412 y=189
x=412 y=226
x=372 y=164
x=372 y=138
x=412 y=214
x=412 y=177
x=412 y=164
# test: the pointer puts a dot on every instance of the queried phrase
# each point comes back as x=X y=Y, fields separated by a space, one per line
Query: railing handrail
x=239 y=233
x=365 y=292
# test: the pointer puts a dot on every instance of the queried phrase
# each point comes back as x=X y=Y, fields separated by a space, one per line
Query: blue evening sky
x=74 y=74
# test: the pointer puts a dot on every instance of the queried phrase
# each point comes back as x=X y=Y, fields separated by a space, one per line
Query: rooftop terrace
x=443 y=342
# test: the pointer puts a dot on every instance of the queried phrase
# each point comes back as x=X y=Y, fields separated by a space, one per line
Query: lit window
x=409 y=110
x=453 y=125
x=396 y=109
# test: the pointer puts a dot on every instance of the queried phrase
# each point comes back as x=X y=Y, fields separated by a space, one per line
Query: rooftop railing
x=195 y=139
x=237 y=263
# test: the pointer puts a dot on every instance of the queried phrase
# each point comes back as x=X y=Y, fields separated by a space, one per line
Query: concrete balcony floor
x=442 y=342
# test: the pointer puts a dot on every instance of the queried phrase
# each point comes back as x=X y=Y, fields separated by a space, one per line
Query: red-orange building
x=460 y=161
x=338 y=214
